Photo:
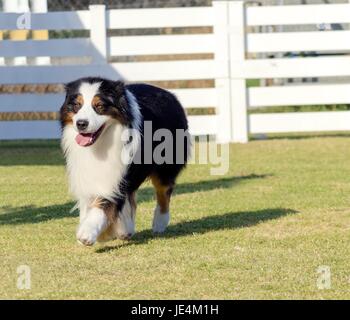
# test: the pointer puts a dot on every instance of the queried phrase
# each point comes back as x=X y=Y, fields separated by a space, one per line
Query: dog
x=104 y=125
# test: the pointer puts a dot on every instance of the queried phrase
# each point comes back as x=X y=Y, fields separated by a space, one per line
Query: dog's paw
x=116 y=231
x=125 y=236
x=107 y=235
x=91 y=227
x=87 y=234
x=124 y=232
x=160 y=221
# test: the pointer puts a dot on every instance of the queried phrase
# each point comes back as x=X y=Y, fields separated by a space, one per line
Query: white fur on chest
x=97 y=170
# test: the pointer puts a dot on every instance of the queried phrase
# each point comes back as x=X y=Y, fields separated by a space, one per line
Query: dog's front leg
x=125 y=226
x=122 y=219
x=93 y=222
x=83 y=205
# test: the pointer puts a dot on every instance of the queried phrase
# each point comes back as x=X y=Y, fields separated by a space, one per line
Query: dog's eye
x=69 y=108
x=99 y=108
x=73 y=107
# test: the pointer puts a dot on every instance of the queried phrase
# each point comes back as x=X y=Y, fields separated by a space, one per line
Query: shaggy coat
x=114 y=137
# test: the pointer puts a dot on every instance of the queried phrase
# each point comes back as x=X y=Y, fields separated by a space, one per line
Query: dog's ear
x=65 y=114
x=122 y=101
x=113 y=89
x=115 y=92
x=71 y=86
x=68 y=89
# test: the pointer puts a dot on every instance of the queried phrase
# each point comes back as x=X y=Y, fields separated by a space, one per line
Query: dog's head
x=92 y=104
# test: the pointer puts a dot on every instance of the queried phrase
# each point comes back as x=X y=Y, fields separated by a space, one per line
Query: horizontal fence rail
x=299 y=95
x=292 y=68
x=300 y=122
x=235 y=55
x=27 y=102
x=74 y=20
x=51 y=48
x=298 y=14
x=117 y=46
x=298 y=41
x=160 y=18
x=151 y=71
x=11 y=130
x=156 y=45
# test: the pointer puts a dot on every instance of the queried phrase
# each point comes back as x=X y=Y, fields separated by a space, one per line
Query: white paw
x=87 y=234
x=108 y=235
x=115 y=231
x=91 y=227
x=125 y=227
x=160 y=220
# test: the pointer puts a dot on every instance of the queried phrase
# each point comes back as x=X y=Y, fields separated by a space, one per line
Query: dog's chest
x=96 y=171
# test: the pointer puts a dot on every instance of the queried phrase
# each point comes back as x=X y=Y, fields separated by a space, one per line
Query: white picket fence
x=230 y=68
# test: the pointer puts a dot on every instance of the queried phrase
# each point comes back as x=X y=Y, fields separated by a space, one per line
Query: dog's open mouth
x=87 y=139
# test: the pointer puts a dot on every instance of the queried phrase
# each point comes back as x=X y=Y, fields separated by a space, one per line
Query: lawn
x=261 y=231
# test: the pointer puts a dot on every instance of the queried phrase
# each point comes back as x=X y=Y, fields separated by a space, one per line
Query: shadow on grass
x=147 y=194
x=231 y=220
x=31 y=214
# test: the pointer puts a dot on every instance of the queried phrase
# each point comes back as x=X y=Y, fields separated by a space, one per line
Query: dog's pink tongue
x=83 y=140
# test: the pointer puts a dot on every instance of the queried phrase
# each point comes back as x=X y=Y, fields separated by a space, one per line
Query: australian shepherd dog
x=114 y=137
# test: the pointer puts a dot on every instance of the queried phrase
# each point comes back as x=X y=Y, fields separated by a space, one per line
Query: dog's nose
x=82 y=124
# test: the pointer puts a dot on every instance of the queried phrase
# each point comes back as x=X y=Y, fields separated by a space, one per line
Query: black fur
x=164 y=111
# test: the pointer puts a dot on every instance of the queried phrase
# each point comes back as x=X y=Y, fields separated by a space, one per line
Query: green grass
x=261 y=231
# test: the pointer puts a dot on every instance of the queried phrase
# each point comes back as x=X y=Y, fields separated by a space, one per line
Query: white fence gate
x=230 y=68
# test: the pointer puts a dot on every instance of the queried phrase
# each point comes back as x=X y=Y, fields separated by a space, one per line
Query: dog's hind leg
x=161 y=216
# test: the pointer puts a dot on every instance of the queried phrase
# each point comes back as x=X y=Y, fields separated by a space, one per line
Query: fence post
x=2 y=59
x=98 y=33
x=40 y=6
x=222 y=84
x=11 y=6
x=238 y=85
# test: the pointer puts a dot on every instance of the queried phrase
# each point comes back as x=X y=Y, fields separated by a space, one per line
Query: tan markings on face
x=68 y=118
x=80 y=100
x=78 y=103
x=96 y=101
x=97 y=104
x=163 y=194
x=99 y=107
